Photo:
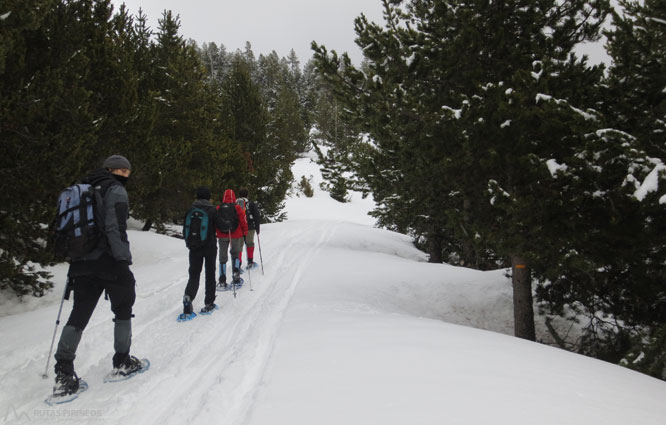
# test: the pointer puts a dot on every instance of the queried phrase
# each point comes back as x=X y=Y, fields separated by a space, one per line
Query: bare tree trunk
x=147 y=225
x=470 y=258
x=523 y=310
x=435 y=248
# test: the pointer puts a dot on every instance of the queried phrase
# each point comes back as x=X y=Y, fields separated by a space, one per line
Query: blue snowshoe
x=132 y=367
x=188 y=313
x=184 y=317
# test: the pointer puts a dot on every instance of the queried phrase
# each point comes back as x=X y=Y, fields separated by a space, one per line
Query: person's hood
x=229 y=197
x=98 y=176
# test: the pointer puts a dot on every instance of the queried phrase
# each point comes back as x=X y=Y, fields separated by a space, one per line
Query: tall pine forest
x=80 y=81
x=474 y=125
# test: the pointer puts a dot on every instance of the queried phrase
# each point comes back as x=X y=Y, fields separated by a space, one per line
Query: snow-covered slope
x=348 y=325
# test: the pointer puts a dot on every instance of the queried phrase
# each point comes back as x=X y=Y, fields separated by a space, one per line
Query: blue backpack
x=79 y=225
x=195 y=229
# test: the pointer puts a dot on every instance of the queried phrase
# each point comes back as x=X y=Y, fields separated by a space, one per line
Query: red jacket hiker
x=241 y=230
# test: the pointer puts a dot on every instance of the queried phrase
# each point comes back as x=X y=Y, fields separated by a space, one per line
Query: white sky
x=267 y=24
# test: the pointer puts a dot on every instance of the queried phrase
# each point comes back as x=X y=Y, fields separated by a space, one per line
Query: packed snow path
x=207 y=368
x=219 y=360
x=348 y=325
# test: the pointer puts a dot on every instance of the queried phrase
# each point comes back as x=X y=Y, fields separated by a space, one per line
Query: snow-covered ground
x=347 y=325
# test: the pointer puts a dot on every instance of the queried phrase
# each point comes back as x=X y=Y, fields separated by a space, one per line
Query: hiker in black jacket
x=200 y=255
x=105 y=268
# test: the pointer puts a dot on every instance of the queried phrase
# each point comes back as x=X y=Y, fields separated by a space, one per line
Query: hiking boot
x=236 y=277
x=187 y=305
x=65 y=384
x=222 y=286
x=208 y=308
x=222 y=279
x=130 y=366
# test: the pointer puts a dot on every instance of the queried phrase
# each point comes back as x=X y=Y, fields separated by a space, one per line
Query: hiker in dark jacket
x=233 y=239
x=201 y=255
x=253 y=224
x=105 y=268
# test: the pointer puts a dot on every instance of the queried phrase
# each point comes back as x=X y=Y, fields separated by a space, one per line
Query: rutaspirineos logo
x=14 y=415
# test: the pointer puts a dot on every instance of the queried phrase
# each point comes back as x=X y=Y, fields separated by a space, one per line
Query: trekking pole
x=233 y=266
x=62 y=301
x=249 y=273
x=261 y=259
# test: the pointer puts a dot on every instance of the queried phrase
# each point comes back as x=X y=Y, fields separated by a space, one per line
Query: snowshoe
x=67 y=387
x=222 y=287
x=66 y=398
x=131 y=367
x=251 y=265
x=184 y=317
x=209 y=309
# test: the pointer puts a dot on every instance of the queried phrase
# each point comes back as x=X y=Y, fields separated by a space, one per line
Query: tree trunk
x=469 y=253
x=148 y=225
x=523 y=310
x=435 y=248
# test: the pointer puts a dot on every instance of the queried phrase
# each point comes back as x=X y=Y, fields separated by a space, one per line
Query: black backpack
x=229 y=217
x=195 y=229
x=244 y=203
x=79 y=224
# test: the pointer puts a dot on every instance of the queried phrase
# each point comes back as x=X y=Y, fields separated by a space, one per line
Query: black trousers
x=120 y=287
x=198 y=258
x=88 y=289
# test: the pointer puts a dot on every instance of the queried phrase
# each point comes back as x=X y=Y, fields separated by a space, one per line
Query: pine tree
x=616 y=267
x=297 y=82
x=186 y=146
x=27 y=79
x=267 y=156
x=447 y=96
x=51 y=116
x=637 y=77
x=335 y=139
x=309 y=93
x=216 y=60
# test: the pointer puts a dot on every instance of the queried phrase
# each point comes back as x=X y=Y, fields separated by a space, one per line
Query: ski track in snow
x=206 y=369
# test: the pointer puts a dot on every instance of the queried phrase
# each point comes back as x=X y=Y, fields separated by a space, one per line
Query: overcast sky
x=279 y=25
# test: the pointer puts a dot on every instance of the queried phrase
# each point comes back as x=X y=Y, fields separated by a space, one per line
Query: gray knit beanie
x=117 y=161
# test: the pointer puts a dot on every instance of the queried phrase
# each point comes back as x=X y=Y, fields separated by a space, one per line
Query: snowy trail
x=205 y=369
x=349 y=324
x=240 y=340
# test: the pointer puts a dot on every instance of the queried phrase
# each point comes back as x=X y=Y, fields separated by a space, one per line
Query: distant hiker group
x=233 y=223
x=90 y=232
